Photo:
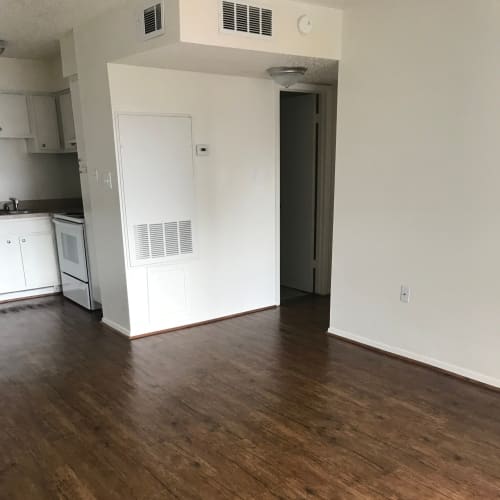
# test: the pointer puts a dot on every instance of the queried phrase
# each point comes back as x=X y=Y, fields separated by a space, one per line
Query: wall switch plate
x=405 y=294
x=202 y=150
x=108 y=180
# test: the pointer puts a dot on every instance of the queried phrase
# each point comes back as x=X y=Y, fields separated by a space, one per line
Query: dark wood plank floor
x=263 y=406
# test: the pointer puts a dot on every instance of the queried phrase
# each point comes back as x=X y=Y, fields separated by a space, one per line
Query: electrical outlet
x=202 y=150
x=405 y=294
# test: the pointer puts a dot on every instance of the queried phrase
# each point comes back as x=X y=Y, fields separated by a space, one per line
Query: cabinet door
x=78 y=121
x=46 y=128
x=14 y=120
x=67 y=122
x=40 y=260
x=11 y=265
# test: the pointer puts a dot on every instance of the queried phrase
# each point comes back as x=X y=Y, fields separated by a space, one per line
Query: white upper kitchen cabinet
x=11 y=268
x=14 y=118
x=39 y=258
x=67 y=122
x=77 y=116
x=44 y=124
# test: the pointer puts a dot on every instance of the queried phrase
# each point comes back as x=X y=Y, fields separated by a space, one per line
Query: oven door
x=71 y=249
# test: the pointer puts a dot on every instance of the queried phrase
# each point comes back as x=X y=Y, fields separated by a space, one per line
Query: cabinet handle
x=44 y=145
x=9 y=242
x=1 y=128
x=23 y=240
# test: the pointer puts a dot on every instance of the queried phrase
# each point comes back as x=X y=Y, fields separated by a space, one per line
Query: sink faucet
x=15 y=204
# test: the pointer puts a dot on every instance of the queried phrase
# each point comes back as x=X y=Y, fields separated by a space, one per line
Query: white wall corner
x=115 y=326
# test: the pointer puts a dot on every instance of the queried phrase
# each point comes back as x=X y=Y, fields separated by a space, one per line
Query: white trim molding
x=411 y=356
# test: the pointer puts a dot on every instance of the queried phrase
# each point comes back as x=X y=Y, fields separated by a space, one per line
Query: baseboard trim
x=116 y=327
x=29 y=297
x=201 y=323
x=410 y=357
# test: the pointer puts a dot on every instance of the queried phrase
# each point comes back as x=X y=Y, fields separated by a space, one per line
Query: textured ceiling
x=32 y=27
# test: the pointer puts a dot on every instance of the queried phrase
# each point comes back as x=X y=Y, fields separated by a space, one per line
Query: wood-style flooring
x=263 y=406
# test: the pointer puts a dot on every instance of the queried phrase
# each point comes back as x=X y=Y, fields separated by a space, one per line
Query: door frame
x=326 y=181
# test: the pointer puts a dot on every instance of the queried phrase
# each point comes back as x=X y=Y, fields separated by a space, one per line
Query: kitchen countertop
x=35 y=215
x=32 y=215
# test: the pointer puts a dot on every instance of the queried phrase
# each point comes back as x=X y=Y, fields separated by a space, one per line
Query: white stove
x=76 y=217
x=72 y=248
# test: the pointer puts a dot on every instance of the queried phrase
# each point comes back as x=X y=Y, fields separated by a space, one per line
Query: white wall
x=36 y=177
x=417 y=182
x=109 y=38
x=39 y=176
x=26 y=75
x=323 y=42
x=234 y=270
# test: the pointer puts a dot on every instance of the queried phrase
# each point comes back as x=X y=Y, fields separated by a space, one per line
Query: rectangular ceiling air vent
x=237 y=17
x=153 y=22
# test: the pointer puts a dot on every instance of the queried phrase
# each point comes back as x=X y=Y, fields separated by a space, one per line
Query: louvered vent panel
x=141 y=233
x=163 y=240
x=171 y=239
x=254 y=20
x=243 y=18
x=157 y=241
x=267 y=22
x=153 y=20
x=228 y=15
x=186 y=236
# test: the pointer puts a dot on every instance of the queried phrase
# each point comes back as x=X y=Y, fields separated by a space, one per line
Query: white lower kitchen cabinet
x=39 y=260
x=11 y=264
x=28 y=257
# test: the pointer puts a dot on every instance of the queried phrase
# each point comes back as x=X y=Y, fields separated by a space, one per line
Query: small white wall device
x=305 y=25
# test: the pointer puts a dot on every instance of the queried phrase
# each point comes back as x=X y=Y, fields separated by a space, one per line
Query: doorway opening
x=306 y=182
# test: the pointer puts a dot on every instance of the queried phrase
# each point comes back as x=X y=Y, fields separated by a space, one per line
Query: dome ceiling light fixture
x=287 y=76
x=3 y=46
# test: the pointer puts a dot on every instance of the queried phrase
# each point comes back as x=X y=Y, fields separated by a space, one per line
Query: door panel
x=11 y=265
x=67 y=122
x=39 y=259
x=71 y=249
x=298 y=190
x=14 y=120
x=46 y=125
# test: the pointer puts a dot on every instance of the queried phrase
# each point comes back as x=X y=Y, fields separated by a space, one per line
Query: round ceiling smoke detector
x=3 y=46
x=305 y=25
x=287 y=76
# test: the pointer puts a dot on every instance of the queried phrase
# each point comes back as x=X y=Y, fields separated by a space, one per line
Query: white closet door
x=158 y=185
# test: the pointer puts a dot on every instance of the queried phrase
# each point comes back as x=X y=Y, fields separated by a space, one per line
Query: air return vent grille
x=243 y=18
x=153 y=21
x=162 y=241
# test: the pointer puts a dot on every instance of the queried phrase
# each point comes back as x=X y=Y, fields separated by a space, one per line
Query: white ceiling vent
x=160 y=242
x=239 y=17
x=153 y=20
